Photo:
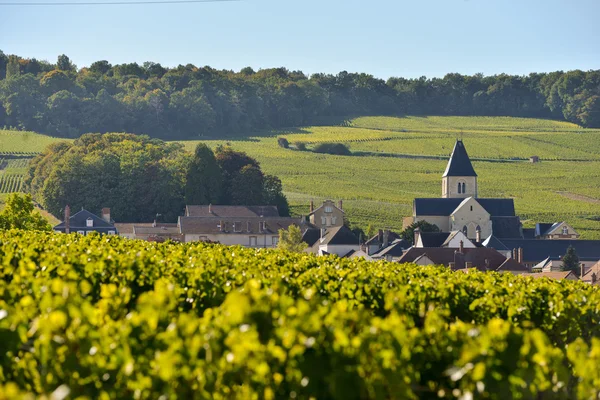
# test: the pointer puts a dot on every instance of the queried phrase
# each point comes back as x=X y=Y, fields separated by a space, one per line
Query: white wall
x=340 y=250
x=262 y=240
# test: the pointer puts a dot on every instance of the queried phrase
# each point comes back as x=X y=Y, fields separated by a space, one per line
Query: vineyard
x=378 y=186
x=106 y=317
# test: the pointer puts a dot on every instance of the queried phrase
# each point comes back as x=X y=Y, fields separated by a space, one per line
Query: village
x=472 y=232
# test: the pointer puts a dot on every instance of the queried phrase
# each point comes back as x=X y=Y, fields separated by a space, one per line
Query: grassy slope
x=380 y=190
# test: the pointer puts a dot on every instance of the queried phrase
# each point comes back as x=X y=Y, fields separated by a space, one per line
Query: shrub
x=339 y=149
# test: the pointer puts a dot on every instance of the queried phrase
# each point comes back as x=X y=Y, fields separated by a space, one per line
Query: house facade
x=328 y=215
x=84 y=222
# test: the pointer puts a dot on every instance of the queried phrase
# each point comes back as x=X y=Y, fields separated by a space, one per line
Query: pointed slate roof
x=459 y=163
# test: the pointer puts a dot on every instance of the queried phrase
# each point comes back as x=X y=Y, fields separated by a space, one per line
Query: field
x=91 y=317
x=398 y=159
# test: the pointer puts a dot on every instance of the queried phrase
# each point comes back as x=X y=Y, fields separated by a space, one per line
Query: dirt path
x=579 y=197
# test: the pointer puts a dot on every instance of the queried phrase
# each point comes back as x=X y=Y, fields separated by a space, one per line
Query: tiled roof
x=433 y=239
x=445 y=207
x=550 y=275
x=536 y=250
x=212 y=225
x=444 y=256
x=376 y=240
x=506 y=227
x=594 y=269
x=78 y=221
x=231 y=211
x=396 y=249
x=511 y=265
x=311 y=236
x=459 y=163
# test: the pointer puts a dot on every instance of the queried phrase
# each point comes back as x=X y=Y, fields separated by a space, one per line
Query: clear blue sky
x=381 y=37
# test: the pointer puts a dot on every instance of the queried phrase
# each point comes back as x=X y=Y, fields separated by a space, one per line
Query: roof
x=376 y=241
x=536 y=250
x=339 y=235
x=396 y=249
x=231 y=211
x=506 y=227
x=594 y=269
x=459 y=163
x=542 y=229
x=445 y=207
x=128 y=228
x=212 y=225
x=433 y=239
x=551 y=275
x=494 y=243
x=311 y=236
x=78 y=221
x=357 y=254
x=511 y=265
x=479 y=257
x=528 y=233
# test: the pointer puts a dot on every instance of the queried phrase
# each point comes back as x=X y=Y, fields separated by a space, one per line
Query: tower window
x=459 y=187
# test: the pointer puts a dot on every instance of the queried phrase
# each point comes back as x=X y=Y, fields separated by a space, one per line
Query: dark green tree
x=20 y=213
x=570 y=261
x=204 y=180
x=273 y=195
x=63 y=63
x=408 y=234
x=247 y=186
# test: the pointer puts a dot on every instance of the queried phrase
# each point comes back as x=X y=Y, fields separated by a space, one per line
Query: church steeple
x=459 y=179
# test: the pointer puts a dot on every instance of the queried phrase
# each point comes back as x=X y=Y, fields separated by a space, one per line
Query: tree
x=273 y=195
x=291 y=240
x=63 y=63
x=409 y=233
x=283 y=142
x=570 y=261
x=204 y=181
x=247 y=186
x=20 y=213
x=100 y=67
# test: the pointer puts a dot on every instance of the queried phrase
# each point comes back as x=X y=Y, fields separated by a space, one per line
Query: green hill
x=398 y=159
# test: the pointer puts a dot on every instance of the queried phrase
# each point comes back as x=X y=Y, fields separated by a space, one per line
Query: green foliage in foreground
x=20 y=213
x=105 y=317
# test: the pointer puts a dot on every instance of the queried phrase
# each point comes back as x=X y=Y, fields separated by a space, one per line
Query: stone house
x=328 y=215
x=84 y=222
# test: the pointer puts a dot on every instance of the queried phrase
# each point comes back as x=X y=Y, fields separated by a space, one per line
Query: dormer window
x=565 y=230
x=328 y=209
x=89 y=222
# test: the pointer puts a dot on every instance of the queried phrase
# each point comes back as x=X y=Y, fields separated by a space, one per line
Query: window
x=274 y=240
x=248 y=226
x=328 y=209
x=471 y=208
x=237 y=226
x=253 y=241
x=81 y=232
x=565 y=230
x=333 y=219
x=111 y=232
x=464 y=229
x=323 y=221
x=89 y=222
x=464 y=187
x=459 y=187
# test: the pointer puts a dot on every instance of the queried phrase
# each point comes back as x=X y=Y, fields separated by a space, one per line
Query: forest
x=188 y=102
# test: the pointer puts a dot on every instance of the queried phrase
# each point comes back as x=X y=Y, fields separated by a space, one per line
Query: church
x=460 y=209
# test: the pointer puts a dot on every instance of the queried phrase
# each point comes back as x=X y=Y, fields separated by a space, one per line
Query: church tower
x=459 y=179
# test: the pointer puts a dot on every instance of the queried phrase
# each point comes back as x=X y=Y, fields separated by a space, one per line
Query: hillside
x=106 y=317
x=398 y=159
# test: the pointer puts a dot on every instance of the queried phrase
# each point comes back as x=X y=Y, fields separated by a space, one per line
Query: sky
x=381 y=37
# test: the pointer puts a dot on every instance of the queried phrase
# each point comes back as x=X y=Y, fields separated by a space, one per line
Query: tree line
x=140 y=178
x=190 y=102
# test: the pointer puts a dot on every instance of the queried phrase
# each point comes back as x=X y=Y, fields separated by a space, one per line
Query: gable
x=470 y=206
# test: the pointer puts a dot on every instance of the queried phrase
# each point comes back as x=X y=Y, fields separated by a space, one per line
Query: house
x=558 y=275
x=150 y=231
x=392 y=252
x=482 y=258
x=327 y=215
x=339 y=240
x=460 y=208
x=84 y=222
x=380 y=241
x=546 y=254
x=534 y=159
x=552 y=231
x=358 y=254
x=592 y=276
x=210 y=211
x=454 y=239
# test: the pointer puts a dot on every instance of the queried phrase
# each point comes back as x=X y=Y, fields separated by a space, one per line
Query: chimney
x=67 y=219
x=514 y=254
x=106 y=214
x=461 y=247
x=312 y=207
x=386 y=238
x=210 y=208
x=340 y=205
x=594 y=277
x=582 y=270
x=520 y=255
x=380 y=236
x=478 y=235
x=417 y=235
